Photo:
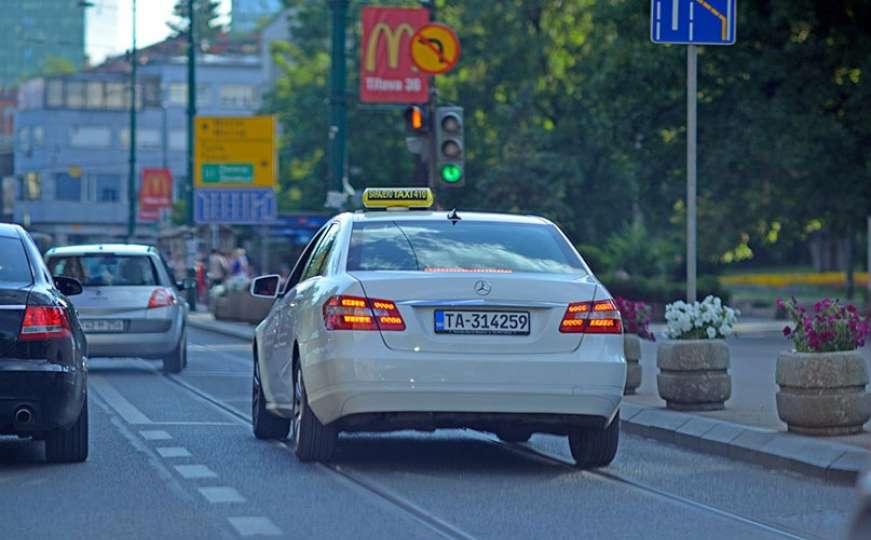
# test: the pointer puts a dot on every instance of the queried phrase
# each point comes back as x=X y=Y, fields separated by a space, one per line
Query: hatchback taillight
x=161 y=298
x=44 y=322
x=601 y=317
x=358 y=313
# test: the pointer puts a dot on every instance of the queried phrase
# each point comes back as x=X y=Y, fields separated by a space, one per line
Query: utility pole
x=692 y=95
x=190 y=241
x=131 y=178
x=338 y=96
x=431 y=110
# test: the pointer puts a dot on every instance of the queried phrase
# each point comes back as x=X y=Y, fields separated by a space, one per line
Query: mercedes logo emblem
x=482 y=287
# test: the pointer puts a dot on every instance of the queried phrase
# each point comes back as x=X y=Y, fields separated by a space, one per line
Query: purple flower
x=787 y=331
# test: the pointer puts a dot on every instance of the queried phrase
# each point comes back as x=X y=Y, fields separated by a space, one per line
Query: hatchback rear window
x=467 y=246
x=105 y=270
x=14 y=265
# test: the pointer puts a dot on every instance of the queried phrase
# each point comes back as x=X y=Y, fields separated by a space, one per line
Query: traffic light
x=449 y=166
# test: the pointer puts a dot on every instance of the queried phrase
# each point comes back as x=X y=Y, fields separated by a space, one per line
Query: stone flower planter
x=632 y=352
x=823 y=393
x=693 y=374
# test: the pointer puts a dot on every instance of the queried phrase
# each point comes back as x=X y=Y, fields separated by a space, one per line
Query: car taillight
x=600 y=317
x=44 y=322
x=161 y=298
x=358 y=313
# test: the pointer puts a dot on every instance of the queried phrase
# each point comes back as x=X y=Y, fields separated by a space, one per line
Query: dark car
x=43 y=368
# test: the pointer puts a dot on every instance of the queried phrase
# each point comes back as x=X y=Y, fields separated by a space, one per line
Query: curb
x=831 y=461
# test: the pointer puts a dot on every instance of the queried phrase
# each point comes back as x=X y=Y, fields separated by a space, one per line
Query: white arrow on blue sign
x=693 y=22
x=235 y=206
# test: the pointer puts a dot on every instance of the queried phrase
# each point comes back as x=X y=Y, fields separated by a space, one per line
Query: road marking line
x=173 y=451
x=195 y=423
x=221 y=494
x=658 y=30
x=674 y=13
x=119 y=403
x=155 y=435
x=251 y=526
x=193 y=472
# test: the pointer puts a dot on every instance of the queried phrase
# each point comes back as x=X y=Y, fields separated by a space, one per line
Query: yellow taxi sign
x=398 y=198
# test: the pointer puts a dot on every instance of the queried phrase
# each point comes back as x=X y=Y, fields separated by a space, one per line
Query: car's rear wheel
x=177 y=359
x=265 y=424
x=514 y=435
x=593 y=448
x=69 y=444
x=314 y=441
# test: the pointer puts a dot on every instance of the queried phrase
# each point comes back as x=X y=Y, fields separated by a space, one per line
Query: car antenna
x=454 y=217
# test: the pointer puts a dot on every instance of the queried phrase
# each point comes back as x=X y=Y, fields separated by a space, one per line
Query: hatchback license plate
x=514 y=323
x=97 y=325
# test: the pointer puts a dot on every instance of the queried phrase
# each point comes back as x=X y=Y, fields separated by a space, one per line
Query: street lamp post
x=131 y=178
x=190 y=241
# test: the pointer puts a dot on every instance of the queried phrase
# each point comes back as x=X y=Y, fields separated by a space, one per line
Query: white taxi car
x=417 y=319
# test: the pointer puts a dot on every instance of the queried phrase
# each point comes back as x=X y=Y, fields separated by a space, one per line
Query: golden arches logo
x=394 y=40
x=155 y=185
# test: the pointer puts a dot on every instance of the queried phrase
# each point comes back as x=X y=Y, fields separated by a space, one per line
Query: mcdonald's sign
x=387 y=73
x=155 y=193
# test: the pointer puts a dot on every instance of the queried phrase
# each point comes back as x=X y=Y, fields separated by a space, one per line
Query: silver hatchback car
x=130 y=306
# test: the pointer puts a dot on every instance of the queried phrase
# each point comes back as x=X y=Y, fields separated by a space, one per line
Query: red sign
x=155 y=193
x=387 y=74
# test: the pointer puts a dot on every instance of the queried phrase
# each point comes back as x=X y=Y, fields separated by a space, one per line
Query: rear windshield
x=105 y=270
x=14 y=266
x=468 y=246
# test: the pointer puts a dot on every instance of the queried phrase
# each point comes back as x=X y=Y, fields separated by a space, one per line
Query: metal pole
x=338 y=94
x=131 y=178
x=431 y=106
x=190 y=242
x=692 y=94
x=868 y=267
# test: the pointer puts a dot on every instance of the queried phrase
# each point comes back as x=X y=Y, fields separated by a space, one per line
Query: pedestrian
x=218 y=268
x=240 y=266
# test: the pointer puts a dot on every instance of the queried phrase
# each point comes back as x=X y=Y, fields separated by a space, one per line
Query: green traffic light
x=452 y=173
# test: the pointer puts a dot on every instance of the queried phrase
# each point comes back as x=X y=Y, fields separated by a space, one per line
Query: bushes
x=658 y=290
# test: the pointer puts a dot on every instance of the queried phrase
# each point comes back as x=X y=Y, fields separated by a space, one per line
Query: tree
x=206 y=12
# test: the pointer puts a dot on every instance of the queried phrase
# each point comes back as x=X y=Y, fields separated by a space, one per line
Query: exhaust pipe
x=23 y=416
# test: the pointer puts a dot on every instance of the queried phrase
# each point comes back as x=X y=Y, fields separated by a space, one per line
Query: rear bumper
x=138 y=345
x=519 y=388
x=53 y=393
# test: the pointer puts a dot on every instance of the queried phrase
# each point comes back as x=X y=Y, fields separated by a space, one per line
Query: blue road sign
x=235 y=206
x=693 y=22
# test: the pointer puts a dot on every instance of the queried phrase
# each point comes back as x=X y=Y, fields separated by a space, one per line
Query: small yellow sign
x=75 y=171
x=398 y=198
x=234 y=152
x=435 y=48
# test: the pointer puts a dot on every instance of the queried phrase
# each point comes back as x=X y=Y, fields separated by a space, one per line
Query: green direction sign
x=228 y=173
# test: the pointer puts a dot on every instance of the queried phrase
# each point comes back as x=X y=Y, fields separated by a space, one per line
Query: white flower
x=712 y=333
x=726 y=330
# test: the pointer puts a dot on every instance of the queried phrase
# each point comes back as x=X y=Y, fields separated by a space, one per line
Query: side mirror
x=266 y=286
x=67 y=285
x=180 y=285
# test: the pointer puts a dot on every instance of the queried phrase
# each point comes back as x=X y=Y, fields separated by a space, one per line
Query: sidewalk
x=748 y=429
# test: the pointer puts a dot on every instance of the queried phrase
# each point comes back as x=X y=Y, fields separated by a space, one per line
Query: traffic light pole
x=692 y=95
x=131 y=173
x=338 y=96
x=431 y=110
x=190 y=241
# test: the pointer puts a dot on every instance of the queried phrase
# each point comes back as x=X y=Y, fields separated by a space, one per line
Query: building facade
x=246 y=15
x=37 y=31
x=72 y=139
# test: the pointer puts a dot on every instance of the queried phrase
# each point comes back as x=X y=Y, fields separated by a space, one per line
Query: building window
x=108 y=188
x=151 y=93
x=178 y=140
x=178 y=94
x=38 y=135
x=24 y=139
x=31 y=188
x=237 y=96
x=96 y=95
x=90 y=137
x=148 y=138
x=67 y=188
x=54 y=93
x=115 y=95
x=75 y=94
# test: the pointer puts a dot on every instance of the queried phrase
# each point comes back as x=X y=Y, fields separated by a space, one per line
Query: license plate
x=514 y=323
x=97 y=325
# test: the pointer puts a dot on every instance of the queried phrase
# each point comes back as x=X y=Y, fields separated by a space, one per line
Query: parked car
x=43 y=369
x=131 y=306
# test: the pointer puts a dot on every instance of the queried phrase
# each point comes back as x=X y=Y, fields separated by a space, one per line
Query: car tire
x=593 y=448
x=177 y=359
x=264 y=423
x=314 y=441
x=514 y=435
x=69 y=444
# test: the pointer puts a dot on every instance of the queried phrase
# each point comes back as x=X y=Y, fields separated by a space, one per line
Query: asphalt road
x=174 y=457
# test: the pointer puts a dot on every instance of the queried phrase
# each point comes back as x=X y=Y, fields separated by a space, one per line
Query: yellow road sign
x=234 y=152
x=435 y=48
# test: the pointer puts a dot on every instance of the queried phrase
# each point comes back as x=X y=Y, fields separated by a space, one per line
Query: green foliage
x=573 y=114
x=660 y=290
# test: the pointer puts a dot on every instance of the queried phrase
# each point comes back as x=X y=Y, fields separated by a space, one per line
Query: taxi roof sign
x=398 y=198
